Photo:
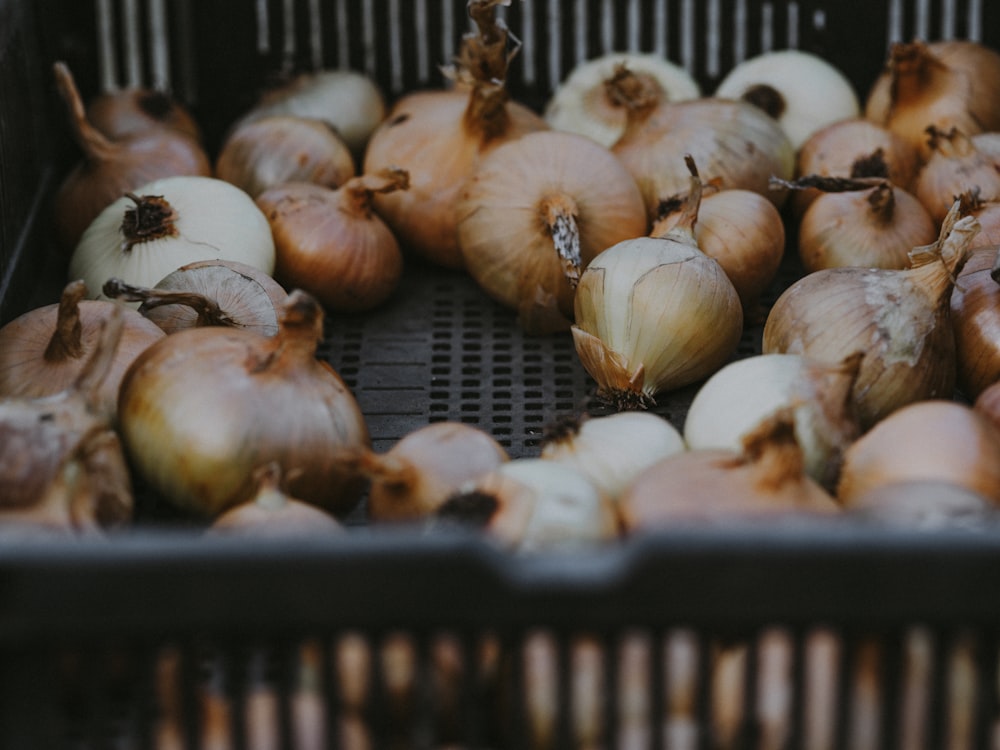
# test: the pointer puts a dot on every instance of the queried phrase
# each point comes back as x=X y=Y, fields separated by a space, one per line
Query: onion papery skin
x=428 y=134
x=653 y=315
x=127 y=112
x=581 y=103
x=26 y=371
x=930 y=440
x=734 y=402
x=844 y=149
x=947 y=83
x=848 y=229
x=332 y=246
x=804 y=92
x=734 y=144
x=202 y=409
x=505 y=246
x=955 y=166
x=263 y=153
x=212 y=220
x=744 y=233
x=975 y=317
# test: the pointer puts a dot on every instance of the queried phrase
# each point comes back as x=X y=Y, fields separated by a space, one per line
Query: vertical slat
x=611 y=651
x=659 y=713
x=565 y=718
x=107 y=46
x=893 y=675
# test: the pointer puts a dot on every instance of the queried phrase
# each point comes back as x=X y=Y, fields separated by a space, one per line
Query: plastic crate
x=812 y=636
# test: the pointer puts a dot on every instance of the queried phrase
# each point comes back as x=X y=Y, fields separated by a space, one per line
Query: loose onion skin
x=930 y=440
x=535 y=212
x=975 y=317
x=206 y=406
x=43 y=351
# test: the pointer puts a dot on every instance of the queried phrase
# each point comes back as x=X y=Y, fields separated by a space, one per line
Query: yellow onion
x=733 y=402
x=438 y=137
x=855 y=147
x=61 y=463
x=947 y=84
x=655 y=313
x=269 y=151
x=127 y=112
x=210 y=292
x=111 y=168
x=975 y=317
x=742 y=231
x=734 y=143
x=987 y=212
x=583 y=104
x=799 y=89
x=203 y=408
x=955 y=166
x=332 y=244
x=930 y=440
x=535 y=212
x=860 y=222
x=43 y=351
x=899 y=318
x=765 y=477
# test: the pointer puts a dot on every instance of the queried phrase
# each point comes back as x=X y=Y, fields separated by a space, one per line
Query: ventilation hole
x=470 y=358
x=440 y=371
x=502 y=358
x=502 y=407
x=470 y=407
x=502 y=418
x=439 y=407
x=501 y=395
x=502 y=370
x=502 y=382
x=439 y=395
x=533 y=394
x=469 y=420
x=472 y=370
x=533 y=418
x=532 y=382
x=502 y=431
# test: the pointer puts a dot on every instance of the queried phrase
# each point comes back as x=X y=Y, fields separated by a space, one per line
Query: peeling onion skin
x=206 y=406
x=929 y=440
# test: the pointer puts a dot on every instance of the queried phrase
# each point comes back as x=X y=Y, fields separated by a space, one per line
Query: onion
x=272 y=513
x=203 y=408
x=800 y=90
x=733 y=402
x=535 y=212
x=124 y=113
x=166 y=224
x=111 y=168
x=332 y=244
x=418 y=474
x=735 y=144
x=531 y=504
x=855 y=148
x=582 y=104
x=655 y=313
x=61 y=463
x=209 y=292
x=955 y=166
x=611 y=451
x=765 y=477
x=269 y=151
x=347 y=100
x=987 y=403
x=924 y=504
x=899 y=318
x=43 y=351
x=975 y=318
x=929 y=440
x=438 y=137
x=987 y=212
x=946 y=84
x=742 y=231
x=860 y=222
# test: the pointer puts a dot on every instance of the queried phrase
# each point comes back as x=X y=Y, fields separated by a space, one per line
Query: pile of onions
x=733 y=402
x=975 y=318
x=207 y=293
x=166 y=224
x=899 y=318
x=764 y=478
x=866 y=222
x=123 y=113
x=111 y=168
x=930 y=440
x=43 y=351
x=611 y=451
x=535 y=212
x=800 y=90
x=438 y=137
x=61 y=462
x=202 y=409
x=947 y=84
x=583 y=103
x=955 y=166
x=269 y=151
x=742 y=231
x=735 y=144
x=855 y=147
x=332 y=244
x=655 y=313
